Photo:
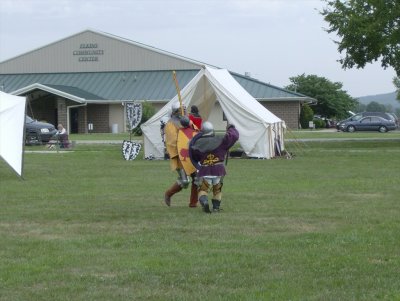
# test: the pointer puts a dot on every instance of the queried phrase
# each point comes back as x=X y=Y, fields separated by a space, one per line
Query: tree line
x=368 y=31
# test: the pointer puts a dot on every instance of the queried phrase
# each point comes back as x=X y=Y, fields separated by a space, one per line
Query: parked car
x=395 y=119
x=358 y=116
x=38 y=132
x=369 y=123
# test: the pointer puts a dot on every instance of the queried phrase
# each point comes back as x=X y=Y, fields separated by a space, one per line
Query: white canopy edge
x=12 y=130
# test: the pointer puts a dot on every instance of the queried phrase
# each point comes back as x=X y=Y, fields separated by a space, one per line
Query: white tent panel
x=12 y=127
x=253 y=121
x=153 y=145
x=258 y=127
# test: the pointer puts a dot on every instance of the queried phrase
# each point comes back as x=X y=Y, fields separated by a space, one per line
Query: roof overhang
x=49 y=89
x=65 y=92
x=302 y=100
x=114 y=101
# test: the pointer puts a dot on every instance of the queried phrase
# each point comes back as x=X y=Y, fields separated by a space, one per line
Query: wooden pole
x=179 y=92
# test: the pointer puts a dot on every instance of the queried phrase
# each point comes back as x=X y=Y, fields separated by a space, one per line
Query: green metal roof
x=76 y=91
x=134 y=85
x=261 y=90
x=129 y=85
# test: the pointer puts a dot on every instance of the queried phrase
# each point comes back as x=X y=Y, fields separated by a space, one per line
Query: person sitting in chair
x=62 y=136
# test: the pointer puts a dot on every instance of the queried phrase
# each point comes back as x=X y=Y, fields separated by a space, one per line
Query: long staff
x=179 y=92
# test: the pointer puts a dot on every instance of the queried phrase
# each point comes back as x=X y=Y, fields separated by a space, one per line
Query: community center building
x=84 y=81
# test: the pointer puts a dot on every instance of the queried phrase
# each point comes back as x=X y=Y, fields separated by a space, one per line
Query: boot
x=216 y=205
x=170 y=192
x=204 y=203
x=193 y=196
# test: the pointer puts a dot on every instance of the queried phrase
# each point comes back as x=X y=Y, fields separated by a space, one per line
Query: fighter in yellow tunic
x=178 y=132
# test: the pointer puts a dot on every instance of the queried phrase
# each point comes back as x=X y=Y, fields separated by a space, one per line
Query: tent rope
x=296 y=141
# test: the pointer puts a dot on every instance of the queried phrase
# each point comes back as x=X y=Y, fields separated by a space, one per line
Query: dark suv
x=38 y=132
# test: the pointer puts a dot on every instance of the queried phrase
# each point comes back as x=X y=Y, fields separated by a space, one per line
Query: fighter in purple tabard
x=208 y=152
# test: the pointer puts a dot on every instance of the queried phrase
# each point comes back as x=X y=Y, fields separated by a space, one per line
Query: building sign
x=88 y=52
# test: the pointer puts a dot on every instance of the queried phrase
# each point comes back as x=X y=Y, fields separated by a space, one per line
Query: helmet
x=185 y=121
x=207 y=128
x=175 y=107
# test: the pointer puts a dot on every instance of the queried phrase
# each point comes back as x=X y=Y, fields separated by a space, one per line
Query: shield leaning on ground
x=184 y=137
x=130 y=149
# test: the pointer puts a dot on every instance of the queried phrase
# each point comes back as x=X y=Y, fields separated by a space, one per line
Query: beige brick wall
x=289 y=111
x=98 y=115
x=82 y=120
x=62 y=111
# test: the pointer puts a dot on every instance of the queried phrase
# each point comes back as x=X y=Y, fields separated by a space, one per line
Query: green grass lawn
x=87 y=225
x=333 y=134
x=290 y=134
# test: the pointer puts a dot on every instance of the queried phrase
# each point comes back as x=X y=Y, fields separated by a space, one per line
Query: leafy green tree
x=306 y=115
x=373 y=106
x=332 y=100
x=148 y=111
x=369 y=30
x=396 y=83
x=388 y=108
x=360 y=108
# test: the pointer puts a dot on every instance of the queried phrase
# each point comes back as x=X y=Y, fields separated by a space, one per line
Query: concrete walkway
x=332 y=130
x=103 y=141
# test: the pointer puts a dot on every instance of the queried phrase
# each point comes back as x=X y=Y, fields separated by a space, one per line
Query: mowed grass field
x=88 y=225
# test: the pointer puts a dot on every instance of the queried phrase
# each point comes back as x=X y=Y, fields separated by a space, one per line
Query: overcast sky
x=273 y=40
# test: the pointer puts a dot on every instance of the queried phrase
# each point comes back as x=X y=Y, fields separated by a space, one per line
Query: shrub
x=319 y=123
x=148 y=111
x=306 y=115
